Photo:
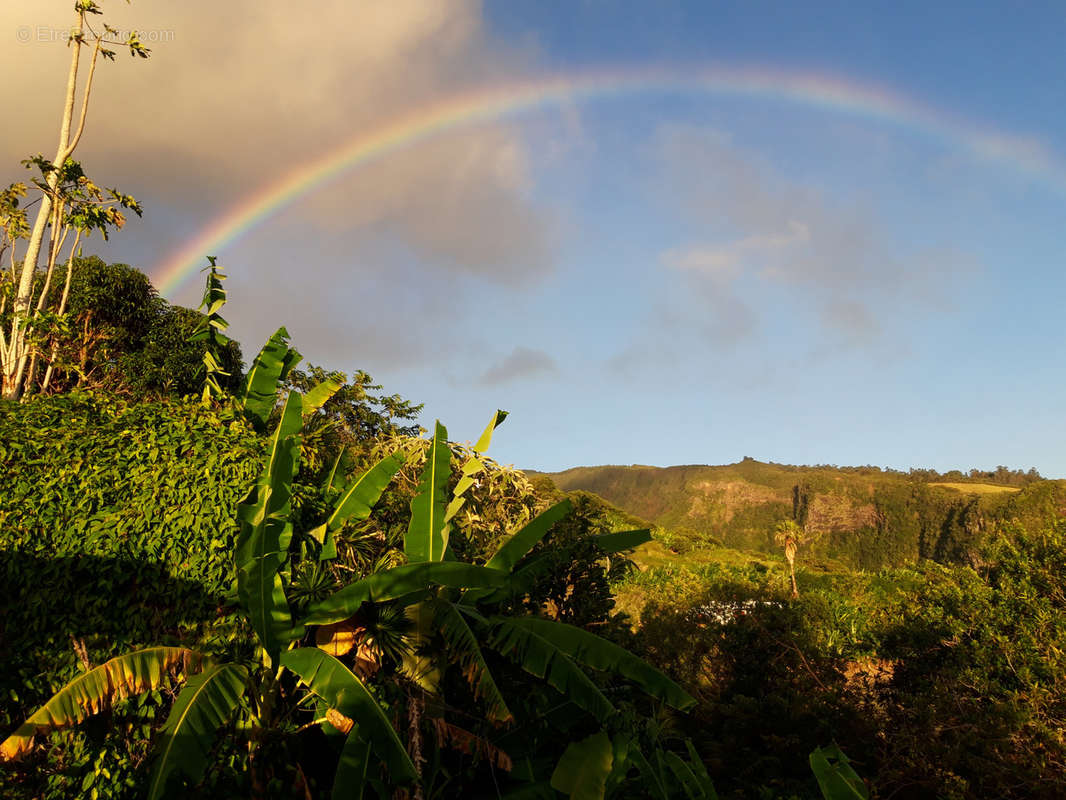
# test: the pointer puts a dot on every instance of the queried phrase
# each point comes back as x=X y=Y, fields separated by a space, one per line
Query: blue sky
x=655 y=277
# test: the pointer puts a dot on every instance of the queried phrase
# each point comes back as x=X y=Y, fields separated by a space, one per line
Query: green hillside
x=863 y=517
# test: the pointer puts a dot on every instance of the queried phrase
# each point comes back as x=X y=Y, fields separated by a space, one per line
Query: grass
x=630 y=595
x=656 y=554
x=978 y=488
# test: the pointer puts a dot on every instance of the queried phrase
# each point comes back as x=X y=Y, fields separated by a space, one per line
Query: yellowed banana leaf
x=133 y=673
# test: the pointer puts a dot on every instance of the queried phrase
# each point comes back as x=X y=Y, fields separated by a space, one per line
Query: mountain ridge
x=866 y=517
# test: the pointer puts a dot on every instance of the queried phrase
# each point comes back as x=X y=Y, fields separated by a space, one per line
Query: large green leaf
x=335 y=480
x=524 y=577
x=620 y=746
x=259 y=393
x=392 y=584
x=836 y=778
x=98 y=688
x=262 y=593
x=582 y=771
x=515 y=548
x=653 y=783
x=700 y=772
x=337 y=685
x=356 y=503
x=486 y=435
x=350 y=777
x=592 y=651
x=538 y=656
x=621 y=540
x=264 y=514
x=319 y=395
x=473 y=467
x=465 y=650
x=425 y=540
x=200 y=709
x=685 y=777
x=265 y=533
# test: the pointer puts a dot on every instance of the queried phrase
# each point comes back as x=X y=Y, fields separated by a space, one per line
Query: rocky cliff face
x=864 y=517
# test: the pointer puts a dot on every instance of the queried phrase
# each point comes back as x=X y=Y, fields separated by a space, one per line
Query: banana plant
x=460 y=604
x=212 y=331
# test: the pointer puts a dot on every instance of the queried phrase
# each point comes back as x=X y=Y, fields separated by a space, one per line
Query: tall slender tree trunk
x=17 y=353
x=790 y=554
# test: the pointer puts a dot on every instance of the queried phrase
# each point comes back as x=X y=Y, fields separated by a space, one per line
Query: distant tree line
x=1001 y=475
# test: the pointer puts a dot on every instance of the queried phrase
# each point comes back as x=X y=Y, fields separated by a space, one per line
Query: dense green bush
x=940 y=681
x=118 y=335
x=977 y=700
x=116 y=524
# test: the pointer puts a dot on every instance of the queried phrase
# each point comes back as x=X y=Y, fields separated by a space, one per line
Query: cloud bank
x=767 y=234
x=237 y=93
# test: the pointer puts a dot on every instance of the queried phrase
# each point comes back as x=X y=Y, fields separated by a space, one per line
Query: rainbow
x=821 y=92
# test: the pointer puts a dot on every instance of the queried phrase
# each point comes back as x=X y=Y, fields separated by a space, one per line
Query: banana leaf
x=836 y=778
x=320 y=395
x=540 y=657
x=621 y=540
x=188 y=735
x=328 y=678
x=620 y=746
x=259 y=393
x=465 y=650
x=524 y=577
x=125 y=675
x=653 y=783
x=263 y=515
x=265 y=534
x=592 y=651
x=262 y=593
x=358 y=500
x=685 y=777
x=583 y=769
x=392 y=584
x=525 y=539
x=473 y=467
x=514 y=549
x=700 y=771
x=425 y=539
x=335 y=480
x=350 y=777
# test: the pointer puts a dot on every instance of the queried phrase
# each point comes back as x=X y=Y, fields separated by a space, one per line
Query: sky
x=669 y=232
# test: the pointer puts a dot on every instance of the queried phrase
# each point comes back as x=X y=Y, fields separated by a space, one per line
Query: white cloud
x=726 y=261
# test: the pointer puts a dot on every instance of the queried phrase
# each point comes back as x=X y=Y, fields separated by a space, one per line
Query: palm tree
x=790 y=535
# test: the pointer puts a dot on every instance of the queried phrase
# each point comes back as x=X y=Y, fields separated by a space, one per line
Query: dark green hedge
x=116 y=526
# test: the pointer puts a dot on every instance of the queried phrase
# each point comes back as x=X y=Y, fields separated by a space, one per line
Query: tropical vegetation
x=272 y=582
